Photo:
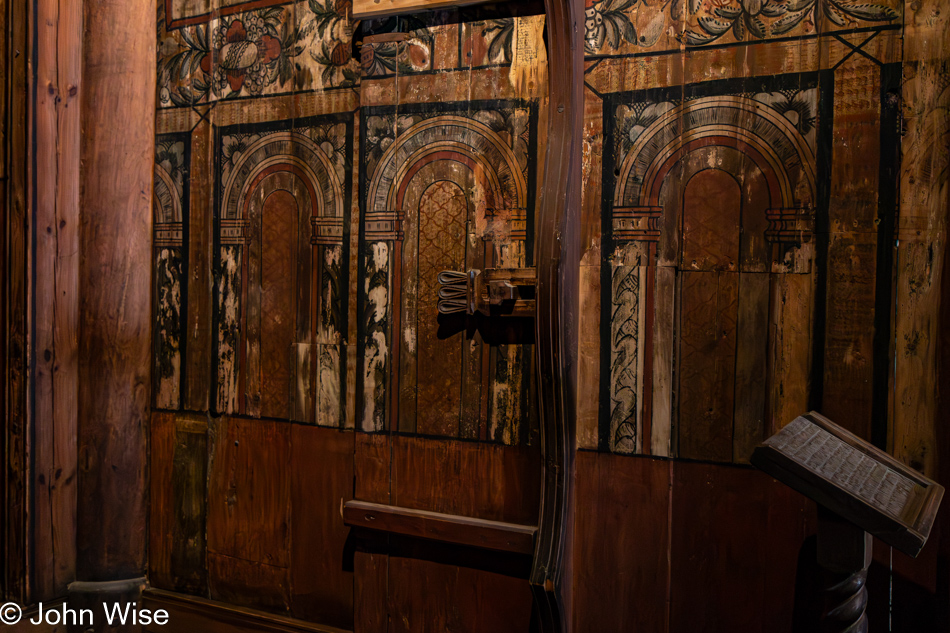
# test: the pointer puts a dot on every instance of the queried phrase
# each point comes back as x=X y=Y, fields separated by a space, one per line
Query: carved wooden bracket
x=492 y=292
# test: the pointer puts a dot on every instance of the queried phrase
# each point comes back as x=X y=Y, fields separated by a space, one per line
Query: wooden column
x=558 y=271
x=117 y=121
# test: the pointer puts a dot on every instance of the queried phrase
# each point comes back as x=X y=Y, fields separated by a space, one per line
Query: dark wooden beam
x=557 y=259
x=14 y=280
x=449 y=528
x=363 y=9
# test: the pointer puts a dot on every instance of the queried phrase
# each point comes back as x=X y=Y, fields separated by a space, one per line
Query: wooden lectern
x=861 y=492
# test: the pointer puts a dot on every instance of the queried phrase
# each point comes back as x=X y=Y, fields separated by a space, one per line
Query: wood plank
x=249 y=491
x=487 y=481
x=370 y=595
x=924 y=209
x=188 y=507
x=321 y=471
x=847 y=394
x=198 y=386
x=735 y=541
x=371 y=467
x=161 y=507
x=62 y=475
x=44 y=272
x=278 y=332
x=790 y=337
x=707 y=364
x=622 y=536
x=248 y=583
x=750 y=426
x=450 y=528
x=193 y=613
x=439 y=588
x=16 y=508
x=712 y=215
x=589 y=358
x=664 y=325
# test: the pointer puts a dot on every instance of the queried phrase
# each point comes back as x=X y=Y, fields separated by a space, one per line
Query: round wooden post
x=844 y=554
x=117 y=101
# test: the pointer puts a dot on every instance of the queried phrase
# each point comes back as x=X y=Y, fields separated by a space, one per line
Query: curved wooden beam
x=557 y=257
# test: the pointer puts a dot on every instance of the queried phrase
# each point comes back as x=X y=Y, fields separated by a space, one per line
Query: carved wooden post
x=558 y=270
x=116 y=174
x=844 y=554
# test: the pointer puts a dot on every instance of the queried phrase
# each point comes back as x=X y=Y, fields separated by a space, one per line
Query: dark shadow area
x=898 y=605
x=396 y=545
x=494 y=330
x=806 y=614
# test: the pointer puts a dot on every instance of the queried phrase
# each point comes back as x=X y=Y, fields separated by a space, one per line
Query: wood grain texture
x=249 y=491
x=485 y=481
x=437 y=526
x=622 y=535
x=922 y=231
x=278 y=307
x=321 y=575
x=735 y=540
x=750 y=425
x=198 y=386
x=114 y=238
x=556 y=338
x=849 y=331
x=13 y=298
x=200 y=614
x=707 y=364
x=161 y=508
x=790 y=333
x=56 y=290
x=429 y=596
x=712 y=216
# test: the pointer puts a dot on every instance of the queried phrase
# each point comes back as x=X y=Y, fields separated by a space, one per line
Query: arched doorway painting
x=710 y=227
x=442 y=191
x=280 y=284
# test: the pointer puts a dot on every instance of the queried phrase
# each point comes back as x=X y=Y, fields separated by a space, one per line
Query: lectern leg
x=844 y=554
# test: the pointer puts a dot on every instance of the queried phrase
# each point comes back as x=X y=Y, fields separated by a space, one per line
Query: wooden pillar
x=558 y=269
x=844 y=554
x=117 y=122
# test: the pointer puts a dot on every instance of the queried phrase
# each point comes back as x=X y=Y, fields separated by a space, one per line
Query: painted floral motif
x=761 y=19
x=249 y=53
x=326 y=31
x=608 y=24
x=269 y=50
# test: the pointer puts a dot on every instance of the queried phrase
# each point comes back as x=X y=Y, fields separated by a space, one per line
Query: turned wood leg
x=844 y=554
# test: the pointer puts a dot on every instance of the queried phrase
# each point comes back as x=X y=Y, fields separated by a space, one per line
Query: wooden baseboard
x=187 y=614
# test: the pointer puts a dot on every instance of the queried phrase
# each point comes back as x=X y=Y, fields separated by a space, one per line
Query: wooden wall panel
x=278 y=282
x=55 y=269
x=161 y=511
x=428 y=596
x=178 y=454
x=707 y=369
x=734 y=543
x=486 y=481
x=852 y=250
x=622 y=544
x=197 y=387
x=249 y=513
x=321 y=573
